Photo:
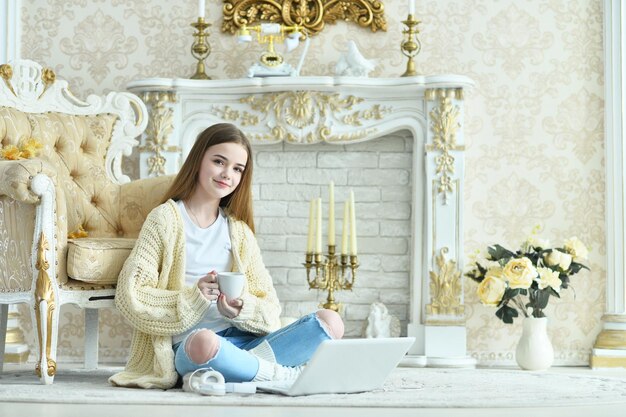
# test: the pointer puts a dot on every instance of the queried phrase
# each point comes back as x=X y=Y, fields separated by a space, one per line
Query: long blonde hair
x=238 y=203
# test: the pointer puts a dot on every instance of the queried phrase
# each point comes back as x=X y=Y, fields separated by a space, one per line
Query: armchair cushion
x=137 y=199
x=97 y=261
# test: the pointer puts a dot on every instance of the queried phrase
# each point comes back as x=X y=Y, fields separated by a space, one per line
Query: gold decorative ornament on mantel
x=310 y=14
x=444 y=124
x=309 y=111
x=160 y=127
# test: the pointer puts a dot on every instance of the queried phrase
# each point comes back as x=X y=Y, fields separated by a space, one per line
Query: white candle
x=331 y=214
x=318 y=238
x=346 y=225
x=353 y=249
x=309 y=242
x=201 y=8
x=412 y=7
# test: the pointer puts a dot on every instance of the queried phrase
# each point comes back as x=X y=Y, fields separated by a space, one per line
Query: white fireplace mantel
x=345 y=110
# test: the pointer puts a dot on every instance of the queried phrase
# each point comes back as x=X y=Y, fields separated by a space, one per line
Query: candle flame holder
x=200 y=49
x=411 y=45
x=330 y=275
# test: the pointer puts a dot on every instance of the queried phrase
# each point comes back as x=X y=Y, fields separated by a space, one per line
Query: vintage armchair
x=68 y=216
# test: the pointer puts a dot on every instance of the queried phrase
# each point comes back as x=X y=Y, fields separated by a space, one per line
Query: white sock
x=269 y=371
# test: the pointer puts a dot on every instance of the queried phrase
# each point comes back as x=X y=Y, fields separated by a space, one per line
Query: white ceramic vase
x=534 y=351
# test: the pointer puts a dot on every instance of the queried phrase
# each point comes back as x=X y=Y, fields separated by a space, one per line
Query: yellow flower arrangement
x=28 y=148
x=535 y=271
x=11 y=153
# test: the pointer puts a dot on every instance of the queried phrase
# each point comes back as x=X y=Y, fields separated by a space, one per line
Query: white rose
x=556 y=257
x=549 y=278
x=519 y=272
x=576 y=248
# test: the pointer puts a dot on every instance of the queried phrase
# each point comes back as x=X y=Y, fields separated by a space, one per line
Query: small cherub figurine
x=353 y=64
x=380 y=323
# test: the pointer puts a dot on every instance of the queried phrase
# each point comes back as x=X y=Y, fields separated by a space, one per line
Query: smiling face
x=221 y=169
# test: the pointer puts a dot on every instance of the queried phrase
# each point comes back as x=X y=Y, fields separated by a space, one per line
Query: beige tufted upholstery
x=75 y=148
x=74 y=184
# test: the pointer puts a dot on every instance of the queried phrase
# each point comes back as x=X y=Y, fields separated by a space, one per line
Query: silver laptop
x=344 y=366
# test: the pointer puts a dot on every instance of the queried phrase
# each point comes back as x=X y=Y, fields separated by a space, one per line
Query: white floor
x=51 y=409
x=58 y=410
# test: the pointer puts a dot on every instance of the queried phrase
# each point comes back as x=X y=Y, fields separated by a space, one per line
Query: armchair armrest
x=16 y=177
x=137 y=199
x=35 y=182
x=17 y=223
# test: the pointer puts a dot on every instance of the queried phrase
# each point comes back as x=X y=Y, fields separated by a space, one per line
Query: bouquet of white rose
x=534 y=272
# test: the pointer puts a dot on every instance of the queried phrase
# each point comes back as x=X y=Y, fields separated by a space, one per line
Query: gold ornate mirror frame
x=311 y=14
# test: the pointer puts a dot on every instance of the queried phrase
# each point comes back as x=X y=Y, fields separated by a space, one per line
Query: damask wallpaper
x=534 y=121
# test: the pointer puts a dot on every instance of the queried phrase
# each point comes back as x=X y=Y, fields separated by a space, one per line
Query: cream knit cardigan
x=151 y=294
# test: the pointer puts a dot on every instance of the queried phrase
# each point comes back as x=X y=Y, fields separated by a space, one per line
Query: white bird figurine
x=353 y=64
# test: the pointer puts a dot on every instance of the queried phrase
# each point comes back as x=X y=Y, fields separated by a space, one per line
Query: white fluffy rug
x=414 y=388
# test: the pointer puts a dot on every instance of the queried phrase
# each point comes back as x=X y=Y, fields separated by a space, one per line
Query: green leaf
x=510 y=293
x=575 y=268
x=497 y=252
x=471 y=276
x=506 y=314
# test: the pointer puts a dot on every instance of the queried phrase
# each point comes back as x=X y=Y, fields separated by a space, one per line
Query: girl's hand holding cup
x=231 y=287
x=208 y=286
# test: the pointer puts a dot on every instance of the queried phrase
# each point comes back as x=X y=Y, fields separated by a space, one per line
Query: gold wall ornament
x=160 y=126
x=445 y=288
x=44 y=292
x=444 y=126
x=310 y=14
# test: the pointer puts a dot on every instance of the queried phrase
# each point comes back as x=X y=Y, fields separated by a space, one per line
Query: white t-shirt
x=207 y=249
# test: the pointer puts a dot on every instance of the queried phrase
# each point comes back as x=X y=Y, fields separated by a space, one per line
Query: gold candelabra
x=411 y=45
x=200 y=49
x=330 y=275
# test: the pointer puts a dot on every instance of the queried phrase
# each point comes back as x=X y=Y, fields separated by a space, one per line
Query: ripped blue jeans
x=293 y=345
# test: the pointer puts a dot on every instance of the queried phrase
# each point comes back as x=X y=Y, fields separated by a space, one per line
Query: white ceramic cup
x=231 y=284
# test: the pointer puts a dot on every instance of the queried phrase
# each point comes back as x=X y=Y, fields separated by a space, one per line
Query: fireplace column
x=437 y=312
